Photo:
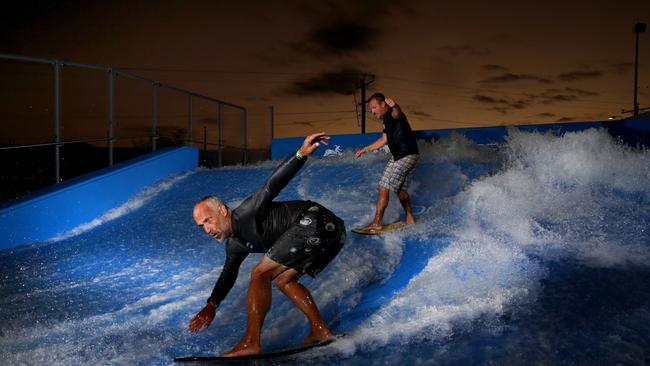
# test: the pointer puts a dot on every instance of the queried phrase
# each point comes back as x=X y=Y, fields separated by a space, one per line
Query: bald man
x=298 y=237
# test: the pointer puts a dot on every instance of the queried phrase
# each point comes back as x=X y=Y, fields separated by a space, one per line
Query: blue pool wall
x=45 y=213
x=632 y=131
x=42 y=214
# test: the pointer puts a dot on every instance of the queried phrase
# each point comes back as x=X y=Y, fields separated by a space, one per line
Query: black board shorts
x=311 y=242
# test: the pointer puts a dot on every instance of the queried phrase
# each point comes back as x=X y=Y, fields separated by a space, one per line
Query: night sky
x=448 y=64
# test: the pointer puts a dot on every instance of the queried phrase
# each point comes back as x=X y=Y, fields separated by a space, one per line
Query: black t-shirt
x=401 y=139
x=257 y=223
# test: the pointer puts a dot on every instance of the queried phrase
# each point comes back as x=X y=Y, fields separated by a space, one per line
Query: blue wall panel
x=632 y=131
x=45 y=213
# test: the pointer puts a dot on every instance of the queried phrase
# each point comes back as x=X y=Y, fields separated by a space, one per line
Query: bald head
x=213 y=216
x=212 y=201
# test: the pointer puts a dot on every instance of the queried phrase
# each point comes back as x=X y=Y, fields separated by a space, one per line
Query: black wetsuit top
x=257 y=223
x=401 y=139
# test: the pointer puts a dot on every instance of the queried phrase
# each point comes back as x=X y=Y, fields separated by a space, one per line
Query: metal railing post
x=110 y=117
x=109 y=137
x=219 y=115
x=57 y=121
x=189 y=120
x=245 y=136
x=154 y=114
x=272 y=111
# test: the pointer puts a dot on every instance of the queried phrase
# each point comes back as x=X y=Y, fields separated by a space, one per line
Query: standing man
x=298 y=237
x=400 y=139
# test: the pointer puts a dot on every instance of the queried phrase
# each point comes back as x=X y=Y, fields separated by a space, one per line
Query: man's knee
x=281 y=282
x=262 y=272
x=285 y=279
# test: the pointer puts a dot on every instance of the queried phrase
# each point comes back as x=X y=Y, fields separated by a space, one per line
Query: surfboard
x=262 y=356
x=384 y=229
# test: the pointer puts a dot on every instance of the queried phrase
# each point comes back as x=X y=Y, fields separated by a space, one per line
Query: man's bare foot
x=319 y=335
x=372 y=227
x=245 y=347
x=410 y=220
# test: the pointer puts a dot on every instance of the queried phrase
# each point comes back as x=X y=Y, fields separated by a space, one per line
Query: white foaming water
x=502 y=229
x=129 y=206
x=582 y=197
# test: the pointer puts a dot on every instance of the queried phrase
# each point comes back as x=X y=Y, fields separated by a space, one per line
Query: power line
x=316 y=112
x=310 y=121
x=217 y=71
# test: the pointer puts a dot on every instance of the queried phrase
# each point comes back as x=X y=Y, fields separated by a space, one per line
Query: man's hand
x=395 y=110
x=203 y=318
x=360 y=152
x=312 y=142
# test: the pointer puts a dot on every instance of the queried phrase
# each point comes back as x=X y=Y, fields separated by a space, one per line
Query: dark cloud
x=581 y=92
x=485 y=99
x=330 y=82
x=510 y=77
x=343 y=36
x=554 y=95
x=336 y=39
x=492 y=67
x=580 y=75
x=458 y=50
x=623 y=68
x=337 y=29
x=559 y=98
x=420 y=114
x=548 y=96
x=501 y=105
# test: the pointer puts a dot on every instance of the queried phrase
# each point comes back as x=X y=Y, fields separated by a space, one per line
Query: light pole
x=638 y=28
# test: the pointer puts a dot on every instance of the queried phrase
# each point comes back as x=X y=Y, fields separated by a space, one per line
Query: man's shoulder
x=235 y=247
x=389 y=118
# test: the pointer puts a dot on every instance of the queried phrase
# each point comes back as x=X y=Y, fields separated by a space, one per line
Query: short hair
x=379 y=97
x=212 y=201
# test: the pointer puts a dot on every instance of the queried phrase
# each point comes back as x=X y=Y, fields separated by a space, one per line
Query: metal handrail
x=74 y=142
x=116 y=71
x=213 y=144
x=112 y=74
x=113 y=139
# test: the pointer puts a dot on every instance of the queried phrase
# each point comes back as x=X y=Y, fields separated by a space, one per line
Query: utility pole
x=363 y=103
x=362 y=85
x=638 y=28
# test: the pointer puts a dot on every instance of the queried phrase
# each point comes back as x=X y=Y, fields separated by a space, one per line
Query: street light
x=638 y=28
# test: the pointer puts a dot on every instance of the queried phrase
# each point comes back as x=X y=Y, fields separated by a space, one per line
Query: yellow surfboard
x=384 y=229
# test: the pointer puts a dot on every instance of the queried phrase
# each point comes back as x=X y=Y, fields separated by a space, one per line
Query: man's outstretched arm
x=283 y=174
x=377 y=144
x=223 y=286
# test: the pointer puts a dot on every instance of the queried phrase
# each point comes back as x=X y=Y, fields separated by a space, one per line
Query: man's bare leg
x=382 y=202
x=259 y=302
x=287 y=282
x=405 y=200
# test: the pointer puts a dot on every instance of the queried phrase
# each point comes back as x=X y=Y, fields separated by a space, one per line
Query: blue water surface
x=533 y=253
